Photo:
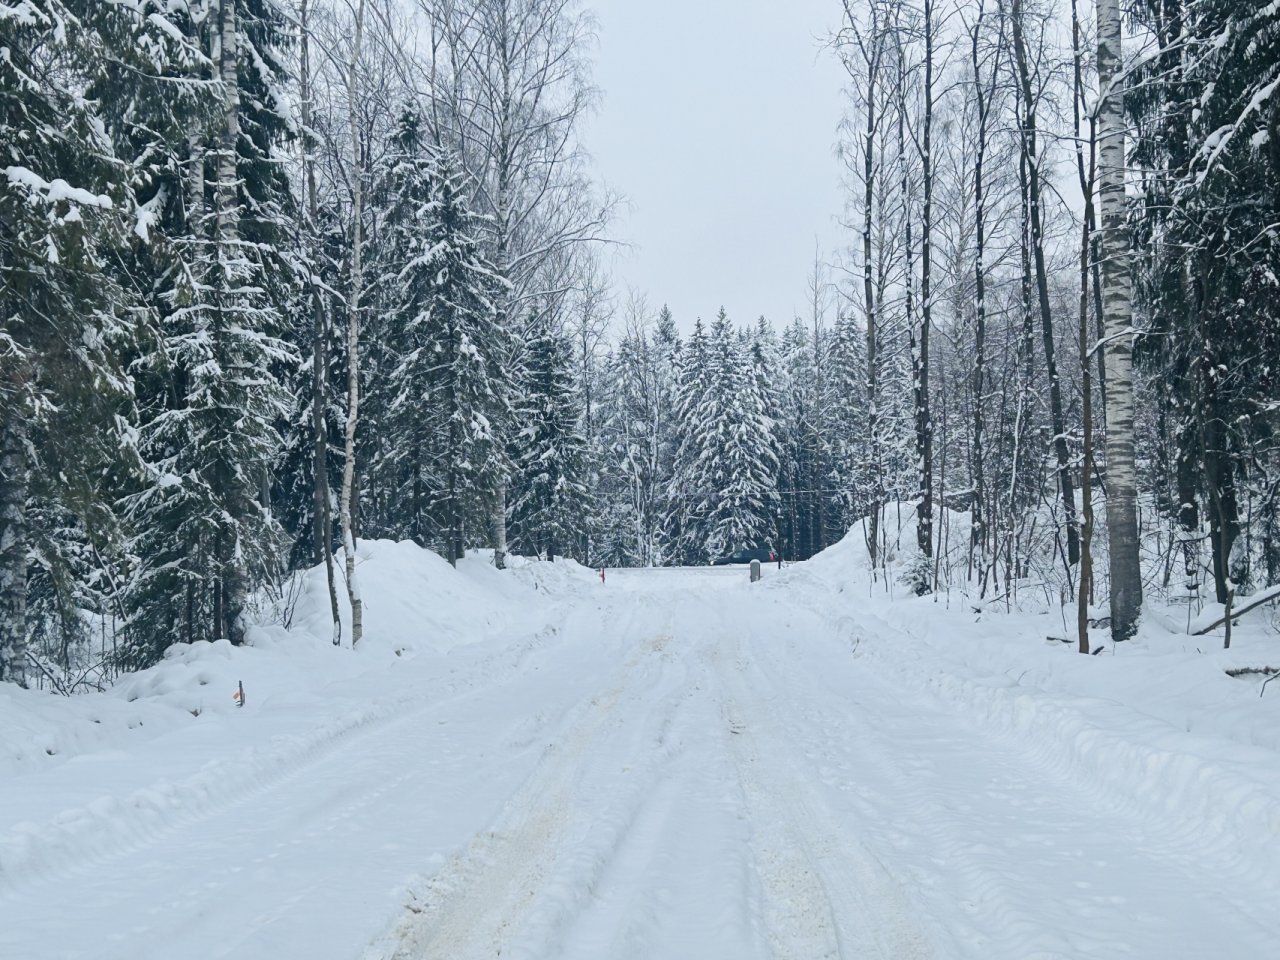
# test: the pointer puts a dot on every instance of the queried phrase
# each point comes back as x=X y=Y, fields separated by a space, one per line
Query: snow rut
x=826 y=896
x=669 y=820
x=519 y=885
x=1005 y=855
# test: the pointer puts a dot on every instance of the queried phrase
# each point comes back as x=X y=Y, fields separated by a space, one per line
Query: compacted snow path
x=687 y=767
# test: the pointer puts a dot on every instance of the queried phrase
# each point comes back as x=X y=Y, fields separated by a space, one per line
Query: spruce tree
x=1208 y=148
x=446 y=387
x=738 y=443
x=550 y=489
x=206 y=534
x=718 y=426
x=848 y=476
x=755 y=463
x=688 y=503
x=63 y=207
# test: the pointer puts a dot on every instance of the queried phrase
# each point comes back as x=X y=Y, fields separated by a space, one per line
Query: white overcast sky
x=717 y=124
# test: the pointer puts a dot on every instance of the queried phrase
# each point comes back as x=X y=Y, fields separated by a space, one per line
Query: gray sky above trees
x=718 y=124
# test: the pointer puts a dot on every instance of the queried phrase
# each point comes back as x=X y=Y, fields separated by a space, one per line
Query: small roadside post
x=755 y=570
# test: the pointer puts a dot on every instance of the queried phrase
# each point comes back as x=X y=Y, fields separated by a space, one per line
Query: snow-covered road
x=683 y=766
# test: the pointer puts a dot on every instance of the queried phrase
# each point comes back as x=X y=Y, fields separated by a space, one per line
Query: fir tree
x=738 y=445
x=688 y=503
x=718 y=424
x=754 y=456
x=205 y=530
x=447 y=386
x=63 y=204
x=550 y=490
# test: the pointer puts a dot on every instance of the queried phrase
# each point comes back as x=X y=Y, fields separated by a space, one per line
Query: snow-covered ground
x=672 y=764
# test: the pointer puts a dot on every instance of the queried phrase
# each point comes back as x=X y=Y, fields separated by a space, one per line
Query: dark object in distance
x=744 y=556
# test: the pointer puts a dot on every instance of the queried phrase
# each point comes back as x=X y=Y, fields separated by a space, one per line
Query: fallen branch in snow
x=1252 y=671
x=58 y=685
x=1263 y=598
x=65 y=685
x=1269 y=672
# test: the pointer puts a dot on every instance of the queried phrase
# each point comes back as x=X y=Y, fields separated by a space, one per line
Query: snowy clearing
x=672 y=764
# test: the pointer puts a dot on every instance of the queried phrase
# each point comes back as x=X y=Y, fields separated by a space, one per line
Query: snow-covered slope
x=1155 y=725
x=170 y=742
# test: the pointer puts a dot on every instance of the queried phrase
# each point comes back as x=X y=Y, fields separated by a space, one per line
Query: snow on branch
x=54 y=191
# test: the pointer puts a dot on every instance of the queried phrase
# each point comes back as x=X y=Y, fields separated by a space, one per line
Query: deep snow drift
x=671 y=764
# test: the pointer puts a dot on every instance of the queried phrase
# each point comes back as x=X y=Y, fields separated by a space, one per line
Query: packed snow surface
x=674 y=764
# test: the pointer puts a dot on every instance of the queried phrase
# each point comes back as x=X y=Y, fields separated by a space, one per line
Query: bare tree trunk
x=1026 y=364
x=195 y=184
x=322 y=521
x=978 y=389
x=228 y=183
x=500 y=525
x=924 y=543
x=454 y=548
x=868 y=43
x=1030 y=148
x=353 y=333
x=503 y=319
x=1086 y=178
x=1122 y=486
x=14 y=536
x=1218 y=465
x=869 y=293
x=924 y=418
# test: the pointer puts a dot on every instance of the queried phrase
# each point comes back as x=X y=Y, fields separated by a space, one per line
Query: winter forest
x=276 y=275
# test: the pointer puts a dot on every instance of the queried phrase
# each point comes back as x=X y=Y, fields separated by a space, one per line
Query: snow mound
x=413 y=600
x=1156 y=725
x=107 y=760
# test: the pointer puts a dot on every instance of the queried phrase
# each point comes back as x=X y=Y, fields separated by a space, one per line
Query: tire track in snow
x=680 y=883
x=520 y=884
x=827 y=896
x=985 y=832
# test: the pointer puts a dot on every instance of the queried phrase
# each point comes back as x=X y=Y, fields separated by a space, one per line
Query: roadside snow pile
x=1154 y=725
x=413 y=600
x=170 y=742
x=563 y=577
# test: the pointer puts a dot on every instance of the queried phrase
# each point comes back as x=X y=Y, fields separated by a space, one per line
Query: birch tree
x=353 y=329
x=322 y=509
x=1122 y=481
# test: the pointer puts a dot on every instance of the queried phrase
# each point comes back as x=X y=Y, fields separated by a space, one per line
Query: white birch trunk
x=195 y=184
x=353 y=334
x=503 y=320
x=500 y=525
x=228 y=209
x=322 y=522
x=13 y=546
x=1122 y=499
